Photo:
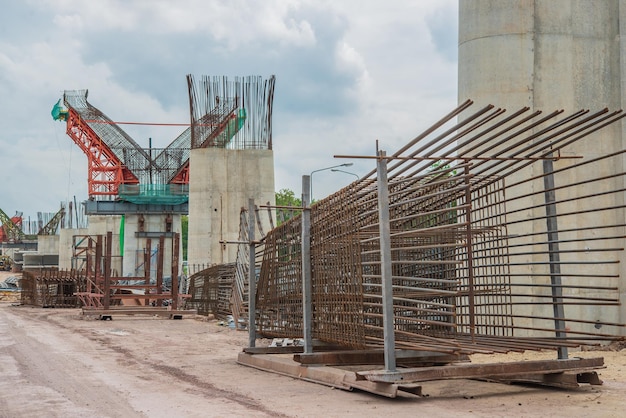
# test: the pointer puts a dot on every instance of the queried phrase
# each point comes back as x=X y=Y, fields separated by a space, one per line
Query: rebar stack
x=501 y=239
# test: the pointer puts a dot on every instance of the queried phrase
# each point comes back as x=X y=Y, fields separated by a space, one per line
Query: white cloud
x=234 y=22
x=348 y=73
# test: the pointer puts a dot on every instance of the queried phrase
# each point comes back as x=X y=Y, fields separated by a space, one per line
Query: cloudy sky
x=348 y=73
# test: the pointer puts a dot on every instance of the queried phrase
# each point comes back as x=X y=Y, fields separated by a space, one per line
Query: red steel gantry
x=106 y=172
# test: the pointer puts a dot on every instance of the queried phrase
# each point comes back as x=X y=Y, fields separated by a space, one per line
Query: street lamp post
x=323 y=169
x=347 y=172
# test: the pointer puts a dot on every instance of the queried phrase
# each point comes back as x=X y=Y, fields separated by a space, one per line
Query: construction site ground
x=57 y=363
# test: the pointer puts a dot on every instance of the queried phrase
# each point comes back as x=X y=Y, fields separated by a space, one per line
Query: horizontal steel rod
x=461 y=158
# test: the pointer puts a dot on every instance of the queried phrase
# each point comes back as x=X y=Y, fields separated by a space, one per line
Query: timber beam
x=477 y=371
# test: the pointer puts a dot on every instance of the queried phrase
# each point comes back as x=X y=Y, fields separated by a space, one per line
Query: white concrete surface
x=221 y=182
x=66 y=243
x=548 y=55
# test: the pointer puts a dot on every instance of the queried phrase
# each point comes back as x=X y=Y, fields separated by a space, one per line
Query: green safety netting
x=166 y=194
x=59 y=112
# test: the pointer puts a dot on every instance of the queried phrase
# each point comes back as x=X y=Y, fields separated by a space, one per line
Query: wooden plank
x=141 y=296
x=389 y=390
x=146 y=308
x=137 y=311
x=564 y=380
x=133 y=286
x=472 y=371
x=377 y=356
x=287 y=349
x=274 y=350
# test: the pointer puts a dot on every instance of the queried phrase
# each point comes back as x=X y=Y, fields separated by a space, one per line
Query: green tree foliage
x=184 y=220
x=286 y=197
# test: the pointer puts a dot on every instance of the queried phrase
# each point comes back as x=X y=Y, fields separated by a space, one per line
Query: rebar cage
x=501 y=238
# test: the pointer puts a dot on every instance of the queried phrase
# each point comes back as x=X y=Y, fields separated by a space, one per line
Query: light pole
x=347 y=172
x=322 y=169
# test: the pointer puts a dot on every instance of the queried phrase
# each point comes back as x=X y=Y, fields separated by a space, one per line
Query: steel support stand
x=251 y=277
x=160 y=262
x=307 y=289
x=470 y=255
x=553 y=247
x=175 y=255
x=385 y=263
x=147 y=256
x=107 y=270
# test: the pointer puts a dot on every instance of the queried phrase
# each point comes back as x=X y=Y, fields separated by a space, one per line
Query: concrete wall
x=221 y=182
x=548 y=55
x=48 y=244
x=66 y=242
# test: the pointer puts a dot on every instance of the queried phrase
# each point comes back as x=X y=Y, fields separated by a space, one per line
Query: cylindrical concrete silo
x=544 y=54
x=548 y=55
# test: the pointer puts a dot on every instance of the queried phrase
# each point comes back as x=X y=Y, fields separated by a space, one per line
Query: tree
x=184 y=221
x=286 y=197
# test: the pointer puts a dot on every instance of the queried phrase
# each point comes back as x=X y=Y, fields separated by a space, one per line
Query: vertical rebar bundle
x=233 y=114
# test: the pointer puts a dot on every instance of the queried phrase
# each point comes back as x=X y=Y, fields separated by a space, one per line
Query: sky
x=348 y=73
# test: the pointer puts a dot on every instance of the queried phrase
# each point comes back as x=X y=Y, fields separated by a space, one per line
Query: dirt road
x=55 y=363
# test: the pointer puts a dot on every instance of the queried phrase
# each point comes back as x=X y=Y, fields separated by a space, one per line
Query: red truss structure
x=105 y=171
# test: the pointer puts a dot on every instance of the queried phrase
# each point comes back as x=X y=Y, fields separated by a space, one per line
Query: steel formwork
x=502 y=237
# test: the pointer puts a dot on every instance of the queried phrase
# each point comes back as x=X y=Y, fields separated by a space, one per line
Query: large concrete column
x=548 y=55
x=221 y=182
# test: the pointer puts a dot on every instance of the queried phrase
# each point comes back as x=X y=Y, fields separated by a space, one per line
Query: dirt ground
x=57 y=363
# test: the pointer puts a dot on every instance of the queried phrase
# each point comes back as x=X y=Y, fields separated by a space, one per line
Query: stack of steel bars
x=506 y=234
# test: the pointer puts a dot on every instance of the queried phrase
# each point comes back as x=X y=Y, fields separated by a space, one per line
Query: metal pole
x=147 y=256
x=470 y=255
x=336 y=170
x=175 y=256
x=107 y=270
x=307 y=308
x=385 y=264
x=251 y=278
x=323 y=169
x=553 y=247
x=159 y=274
